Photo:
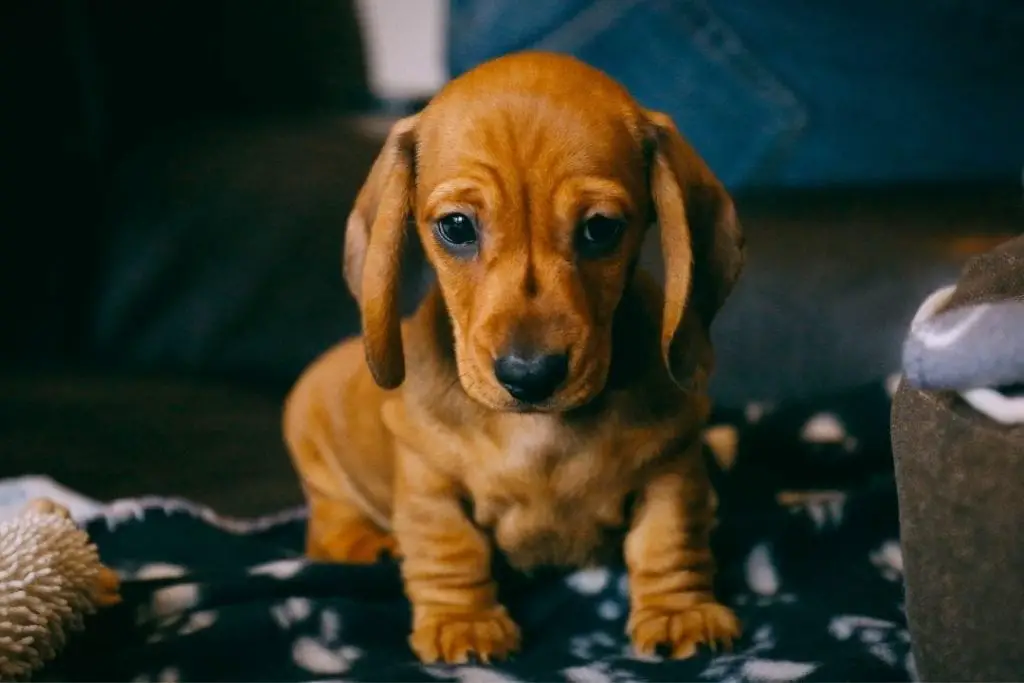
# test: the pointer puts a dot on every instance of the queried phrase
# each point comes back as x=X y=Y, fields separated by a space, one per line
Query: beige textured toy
x=50 y=579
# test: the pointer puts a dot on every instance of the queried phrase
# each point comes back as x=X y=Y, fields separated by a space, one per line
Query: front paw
x=455 y=637
x=680 y=631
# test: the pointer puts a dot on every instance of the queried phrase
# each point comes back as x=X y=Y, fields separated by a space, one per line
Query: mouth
x=527 y=408
x=550 y=406
x=584 y=385
x=498 y=399
x=571 y=399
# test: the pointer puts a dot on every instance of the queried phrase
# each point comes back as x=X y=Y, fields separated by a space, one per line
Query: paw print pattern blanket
x=808 y=548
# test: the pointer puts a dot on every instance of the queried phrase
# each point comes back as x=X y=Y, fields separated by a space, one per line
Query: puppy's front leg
x=671 y=569
x=447 y=571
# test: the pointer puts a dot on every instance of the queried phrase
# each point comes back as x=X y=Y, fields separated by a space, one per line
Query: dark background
x=176 y=176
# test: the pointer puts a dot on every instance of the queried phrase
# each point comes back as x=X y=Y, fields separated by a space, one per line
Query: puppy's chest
x=549 y=500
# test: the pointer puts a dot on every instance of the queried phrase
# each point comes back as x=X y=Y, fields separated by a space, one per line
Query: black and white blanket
x=808 y=548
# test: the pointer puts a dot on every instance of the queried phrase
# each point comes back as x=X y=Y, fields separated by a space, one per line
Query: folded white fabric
x=976 y=350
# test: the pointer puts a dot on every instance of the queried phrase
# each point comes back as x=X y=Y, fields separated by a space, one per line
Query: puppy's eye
x=599 y=234
x=457 y=230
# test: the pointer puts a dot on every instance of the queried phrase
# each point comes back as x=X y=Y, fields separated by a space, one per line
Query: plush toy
x=50 y=579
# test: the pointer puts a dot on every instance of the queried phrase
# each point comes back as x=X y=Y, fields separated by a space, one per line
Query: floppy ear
x=374 y=240
x=701 y=242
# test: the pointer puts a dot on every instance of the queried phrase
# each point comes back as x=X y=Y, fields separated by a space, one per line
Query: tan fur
x=420 y=452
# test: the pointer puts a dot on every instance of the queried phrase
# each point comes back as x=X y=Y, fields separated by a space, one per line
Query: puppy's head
x=531 y=181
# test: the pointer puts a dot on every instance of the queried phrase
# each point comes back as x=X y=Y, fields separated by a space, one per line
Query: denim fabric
x=796 y=93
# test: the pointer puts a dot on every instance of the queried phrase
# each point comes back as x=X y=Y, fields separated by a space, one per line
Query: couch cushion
x=112 y=437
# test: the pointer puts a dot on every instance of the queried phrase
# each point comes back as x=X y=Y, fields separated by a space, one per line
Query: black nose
x=531 y=379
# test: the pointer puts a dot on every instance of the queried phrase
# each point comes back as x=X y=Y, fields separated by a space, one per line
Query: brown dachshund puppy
x=547 y=397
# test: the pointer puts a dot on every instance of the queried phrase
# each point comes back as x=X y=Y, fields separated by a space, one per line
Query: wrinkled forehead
x=533 y=136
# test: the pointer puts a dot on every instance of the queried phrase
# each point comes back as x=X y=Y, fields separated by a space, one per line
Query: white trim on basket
x=1007 y=410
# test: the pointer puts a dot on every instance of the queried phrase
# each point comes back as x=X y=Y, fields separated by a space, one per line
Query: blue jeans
x=796 y=93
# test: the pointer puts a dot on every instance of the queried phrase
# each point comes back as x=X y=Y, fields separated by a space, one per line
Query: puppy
x=546 y=398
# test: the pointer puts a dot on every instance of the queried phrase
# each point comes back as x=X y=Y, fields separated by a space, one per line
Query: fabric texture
x=808 y=548
x=960 y=474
